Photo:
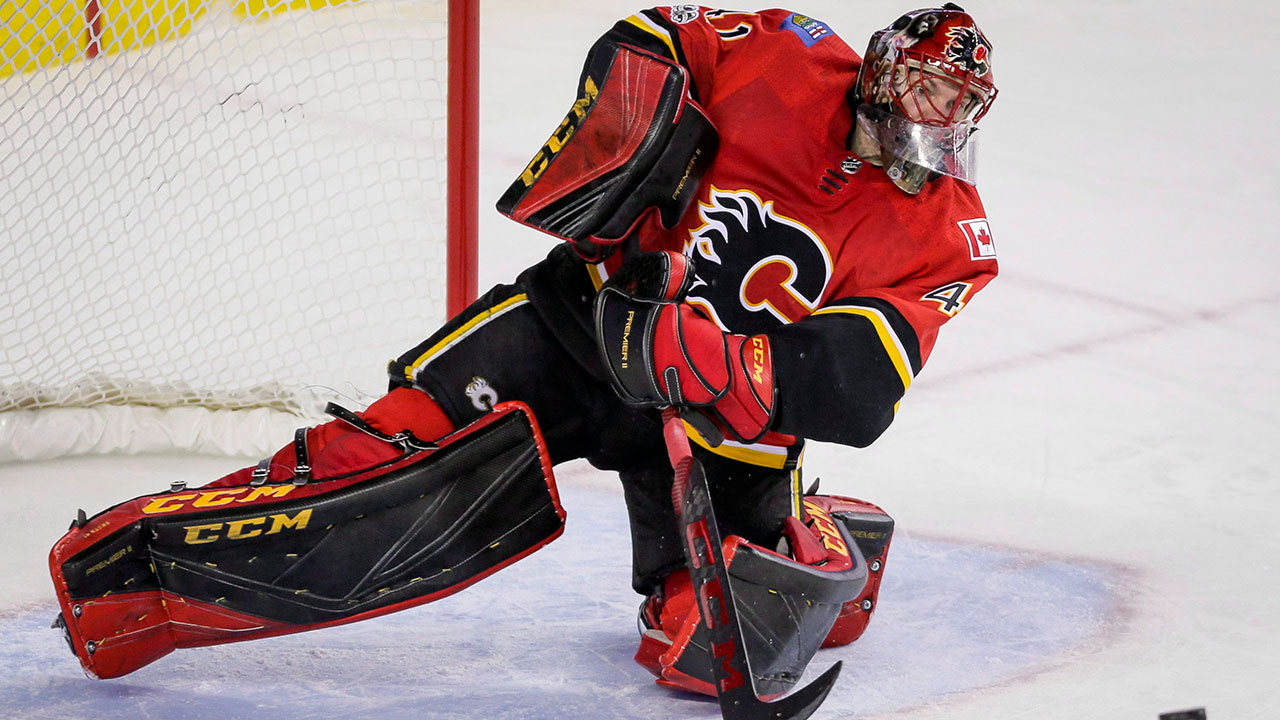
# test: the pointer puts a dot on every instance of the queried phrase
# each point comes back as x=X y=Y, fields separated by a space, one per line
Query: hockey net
x=219 y=214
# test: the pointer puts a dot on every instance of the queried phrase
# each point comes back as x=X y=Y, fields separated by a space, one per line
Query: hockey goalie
x=759 y=229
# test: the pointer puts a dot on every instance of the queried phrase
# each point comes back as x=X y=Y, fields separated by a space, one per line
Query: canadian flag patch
x=978 y=232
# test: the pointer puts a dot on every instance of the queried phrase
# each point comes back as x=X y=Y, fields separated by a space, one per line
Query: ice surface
x=1084 y=476
x=553 y=636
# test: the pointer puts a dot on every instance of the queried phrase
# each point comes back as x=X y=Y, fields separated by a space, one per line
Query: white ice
x=1084 y=476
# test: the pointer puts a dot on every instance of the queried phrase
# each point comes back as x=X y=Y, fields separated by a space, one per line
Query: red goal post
x=464 y=143
x=222 y=213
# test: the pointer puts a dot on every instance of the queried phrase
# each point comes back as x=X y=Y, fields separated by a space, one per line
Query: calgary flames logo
x=967 y=48
x=755 y=268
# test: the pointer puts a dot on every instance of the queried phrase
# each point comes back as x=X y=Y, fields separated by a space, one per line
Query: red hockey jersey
x=795 y=236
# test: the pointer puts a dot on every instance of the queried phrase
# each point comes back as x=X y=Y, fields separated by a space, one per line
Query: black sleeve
x=841 y=371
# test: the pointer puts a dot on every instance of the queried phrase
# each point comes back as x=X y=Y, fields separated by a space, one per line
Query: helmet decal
x=966 y=48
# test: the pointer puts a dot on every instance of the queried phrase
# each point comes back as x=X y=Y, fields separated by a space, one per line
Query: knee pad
x=307 y=544
x=787 y=603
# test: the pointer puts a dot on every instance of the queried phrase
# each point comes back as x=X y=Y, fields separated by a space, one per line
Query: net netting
x=218 y=204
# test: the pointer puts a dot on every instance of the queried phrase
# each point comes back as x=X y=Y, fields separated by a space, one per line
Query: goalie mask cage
x=219 y=214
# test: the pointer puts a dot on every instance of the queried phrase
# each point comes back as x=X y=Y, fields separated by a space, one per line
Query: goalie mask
x=924 y=83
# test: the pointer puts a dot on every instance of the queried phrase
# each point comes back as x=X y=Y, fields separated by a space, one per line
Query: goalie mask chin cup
x=913 y=153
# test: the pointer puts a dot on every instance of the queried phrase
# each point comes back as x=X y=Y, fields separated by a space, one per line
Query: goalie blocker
x=190 y=568
x=634 y=145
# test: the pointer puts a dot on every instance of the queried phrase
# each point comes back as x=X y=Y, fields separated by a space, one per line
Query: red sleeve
x=932 y=255
x=842 y=371
x=699 y=38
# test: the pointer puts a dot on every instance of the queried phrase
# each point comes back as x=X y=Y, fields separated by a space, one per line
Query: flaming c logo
x=756 y=269
x=966 y=48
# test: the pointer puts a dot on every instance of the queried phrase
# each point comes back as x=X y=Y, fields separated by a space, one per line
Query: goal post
x=222 y=213
x=464 y=144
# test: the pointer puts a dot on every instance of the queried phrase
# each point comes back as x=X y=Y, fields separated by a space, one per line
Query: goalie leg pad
x=222 y=564
x=338 y=446
x=786 y=605
x=872 y=530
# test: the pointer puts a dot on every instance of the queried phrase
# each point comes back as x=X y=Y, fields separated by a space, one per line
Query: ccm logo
x=245 y=529
x=567 y=128
x=214 y=498
x=826 y=527
x=759 y=358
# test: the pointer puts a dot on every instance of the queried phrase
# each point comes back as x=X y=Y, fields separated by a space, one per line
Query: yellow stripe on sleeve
x=797 y=489
x=466 y=329
x=647 y=25
x=598 y=275
x=892 y=345
x=769 y=456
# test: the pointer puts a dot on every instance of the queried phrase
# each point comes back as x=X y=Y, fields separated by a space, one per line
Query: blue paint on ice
x=552 y=637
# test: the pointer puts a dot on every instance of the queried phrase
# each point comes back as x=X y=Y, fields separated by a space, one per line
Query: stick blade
x=803 y=702
x=799 y=705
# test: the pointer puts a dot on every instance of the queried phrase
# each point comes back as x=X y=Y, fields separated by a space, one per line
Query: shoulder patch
x=809 y=30
x=681 y=14
x=978 y=232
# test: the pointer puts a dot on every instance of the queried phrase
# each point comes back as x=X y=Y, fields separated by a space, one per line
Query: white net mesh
x=231 y=206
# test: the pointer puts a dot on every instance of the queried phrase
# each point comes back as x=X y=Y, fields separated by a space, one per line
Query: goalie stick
x=710 y=575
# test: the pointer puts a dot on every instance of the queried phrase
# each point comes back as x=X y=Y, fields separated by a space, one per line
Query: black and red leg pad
x=214 y=565
x=872 y=530
x=786 y=606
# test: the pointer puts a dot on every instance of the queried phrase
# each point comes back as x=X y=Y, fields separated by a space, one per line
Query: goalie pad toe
x=872 y=530
x=786 y=606
x=216 y=565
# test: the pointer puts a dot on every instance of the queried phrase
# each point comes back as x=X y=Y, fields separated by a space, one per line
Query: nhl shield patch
x=681 y=14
